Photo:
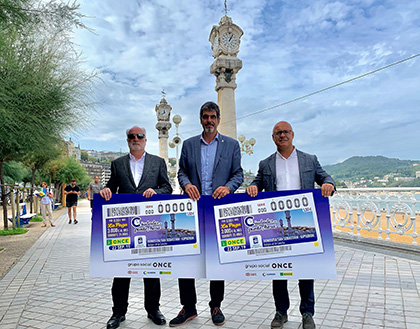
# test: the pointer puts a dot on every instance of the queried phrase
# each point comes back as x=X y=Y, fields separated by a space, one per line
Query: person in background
x=45 y=205
x=71 y=192
x=94 y=187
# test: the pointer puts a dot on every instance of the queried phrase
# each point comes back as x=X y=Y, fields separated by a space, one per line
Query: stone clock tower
x=163 y=113
x=225 y=39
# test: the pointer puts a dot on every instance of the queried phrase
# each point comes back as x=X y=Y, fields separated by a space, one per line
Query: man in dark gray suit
x=291 y=169
x=210 y=164
x=144 y=173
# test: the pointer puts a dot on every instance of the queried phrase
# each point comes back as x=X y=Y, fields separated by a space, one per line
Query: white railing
x=381 y=213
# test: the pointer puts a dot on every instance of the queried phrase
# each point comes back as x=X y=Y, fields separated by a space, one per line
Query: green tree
x=72 y=169
x=44 y=92
x=14 y=172
x=84 y=155
x=38 y=158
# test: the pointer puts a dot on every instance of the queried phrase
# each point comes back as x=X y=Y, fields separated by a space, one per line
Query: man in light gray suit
x=291 y=169
x=146 y=174
x=210 y=164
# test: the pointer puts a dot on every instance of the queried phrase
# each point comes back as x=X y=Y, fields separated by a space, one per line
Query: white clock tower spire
x=225 y=40
x=163 y=112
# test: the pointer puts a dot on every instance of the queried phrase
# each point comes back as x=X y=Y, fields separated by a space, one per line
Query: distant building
x=103 y=170
x=417 y=174
x=404 y=179
x=73 y=151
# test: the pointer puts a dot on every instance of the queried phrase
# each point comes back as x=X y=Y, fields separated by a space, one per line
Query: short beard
x=209 y=129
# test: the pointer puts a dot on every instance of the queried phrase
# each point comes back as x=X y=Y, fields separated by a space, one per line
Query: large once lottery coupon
x=284 y=226
x=144 y=229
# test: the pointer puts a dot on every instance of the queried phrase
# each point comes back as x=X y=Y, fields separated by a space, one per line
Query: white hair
x=144 y=129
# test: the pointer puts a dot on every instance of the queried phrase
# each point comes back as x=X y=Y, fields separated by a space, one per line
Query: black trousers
x=306 y=291
x=188 y=295
x=120 y=289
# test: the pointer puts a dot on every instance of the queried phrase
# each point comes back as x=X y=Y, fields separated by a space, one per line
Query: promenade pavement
x=50 y=287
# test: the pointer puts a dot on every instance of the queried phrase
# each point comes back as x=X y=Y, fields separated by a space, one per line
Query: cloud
x=289 y=49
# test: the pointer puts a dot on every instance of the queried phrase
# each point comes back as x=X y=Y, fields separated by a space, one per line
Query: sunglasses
x=279 y=132
x=132 y=136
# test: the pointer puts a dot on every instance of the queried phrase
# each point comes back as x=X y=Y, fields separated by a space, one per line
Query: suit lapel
x=197 y=151
x=219 y=151
x=301 y=164
x=272 y=168
x=145 y=169
x=128 y=169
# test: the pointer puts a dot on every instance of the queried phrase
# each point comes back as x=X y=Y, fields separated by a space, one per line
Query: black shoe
x=75 y=221
x=69 y=221
x=114 y=321
x=278 y=321
x=308 y=321
x=217 y=316
x=183 y=317
x=157 y=317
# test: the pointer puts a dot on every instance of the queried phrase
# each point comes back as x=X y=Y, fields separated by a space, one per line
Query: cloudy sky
x=289 y=49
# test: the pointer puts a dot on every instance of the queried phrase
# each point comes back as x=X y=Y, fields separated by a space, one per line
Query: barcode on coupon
x=235 y=211
x=151 y=250
x=123 y=211
x=270 y=250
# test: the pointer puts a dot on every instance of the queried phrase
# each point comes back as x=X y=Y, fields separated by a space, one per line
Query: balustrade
x=381 y=213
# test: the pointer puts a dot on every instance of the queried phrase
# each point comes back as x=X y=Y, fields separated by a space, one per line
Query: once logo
x=114 y=242
x=162 y=264
x=233 y=242
x=282 y=265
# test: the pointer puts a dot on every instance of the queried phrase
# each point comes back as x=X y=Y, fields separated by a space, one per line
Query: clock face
x=163 y=112
x=229 y=40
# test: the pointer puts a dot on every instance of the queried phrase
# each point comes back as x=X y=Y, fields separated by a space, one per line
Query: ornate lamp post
x=247 y=146
x=175 y=142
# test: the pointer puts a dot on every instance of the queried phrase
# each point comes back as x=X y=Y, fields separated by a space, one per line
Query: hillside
x=367 y=168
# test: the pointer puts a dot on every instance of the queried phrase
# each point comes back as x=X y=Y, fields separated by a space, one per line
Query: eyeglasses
x=132 y=136
x=279 y=132
x=206 y=116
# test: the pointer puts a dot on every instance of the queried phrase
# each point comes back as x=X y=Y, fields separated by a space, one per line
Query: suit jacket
x=310 y=172
x=227 y=169
x=154 y=176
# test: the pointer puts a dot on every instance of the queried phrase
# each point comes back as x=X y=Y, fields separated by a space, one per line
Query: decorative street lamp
x=175 y=142
x=247 y=146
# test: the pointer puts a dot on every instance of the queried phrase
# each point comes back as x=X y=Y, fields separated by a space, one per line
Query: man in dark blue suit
x=291 y=169
x=210 y=164
x=146 y=174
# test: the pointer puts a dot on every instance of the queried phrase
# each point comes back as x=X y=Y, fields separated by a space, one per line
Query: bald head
x=283 y=138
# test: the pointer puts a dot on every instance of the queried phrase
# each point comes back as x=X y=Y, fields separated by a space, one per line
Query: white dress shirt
x=137 y=167
x=287 y=172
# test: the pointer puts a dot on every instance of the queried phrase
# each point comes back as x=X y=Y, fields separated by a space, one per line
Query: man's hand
x=327 y=189
x=221 y=192
x=106 y=193
x=149 y=192
x=192 y=191
x=252 y=191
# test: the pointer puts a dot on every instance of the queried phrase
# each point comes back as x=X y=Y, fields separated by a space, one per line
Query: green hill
x=368 y=167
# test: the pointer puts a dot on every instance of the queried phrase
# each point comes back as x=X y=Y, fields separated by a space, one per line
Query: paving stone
x=50 y=287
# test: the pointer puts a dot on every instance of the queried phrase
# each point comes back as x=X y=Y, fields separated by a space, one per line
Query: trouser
x=188 y=295
x=281 y=296
x=120 y=290
x=44 y=208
